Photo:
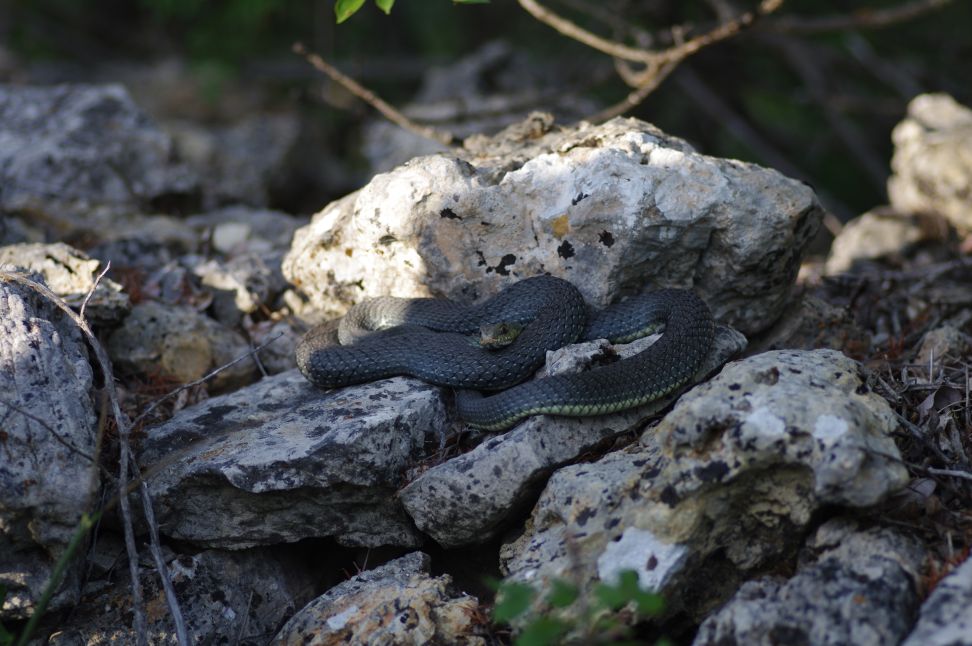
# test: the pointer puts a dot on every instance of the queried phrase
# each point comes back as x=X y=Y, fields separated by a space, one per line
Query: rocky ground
x=813 y=486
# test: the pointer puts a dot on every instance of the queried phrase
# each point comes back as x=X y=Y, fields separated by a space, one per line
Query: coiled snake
x=430 y=339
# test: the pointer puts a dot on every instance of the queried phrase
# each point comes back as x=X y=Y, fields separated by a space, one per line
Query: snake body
x=429 y=339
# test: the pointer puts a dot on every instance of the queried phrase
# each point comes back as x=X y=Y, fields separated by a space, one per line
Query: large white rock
x=613 y=208
x=932 y=160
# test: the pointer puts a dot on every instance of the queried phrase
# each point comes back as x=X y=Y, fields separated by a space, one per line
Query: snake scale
x=430 y=339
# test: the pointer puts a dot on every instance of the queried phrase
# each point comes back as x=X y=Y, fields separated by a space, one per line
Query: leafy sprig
x=344 y=9
x=592 y=617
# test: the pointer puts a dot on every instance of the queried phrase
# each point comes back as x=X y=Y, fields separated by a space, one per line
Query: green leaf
x=513 y=599
x=609 y=596
x=344 y=9
x=470 y=1
x=650 y=604
x=385 y=5
x=628 y=583
x=617 y=596
x=562 y=594
x=542 y=631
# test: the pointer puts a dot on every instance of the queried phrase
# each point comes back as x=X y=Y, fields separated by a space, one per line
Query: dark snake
x=430 y=339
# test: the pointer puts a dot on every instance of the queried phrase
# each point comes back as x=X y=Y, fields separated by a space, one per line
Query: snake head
x=493 y=336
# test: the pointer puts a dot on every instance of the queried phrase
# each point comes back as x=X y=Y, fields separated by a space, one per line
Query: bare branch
x=637 y=96
x=443 y=137
x=581 y=35
x=658 y=64
x=723 y=31
x=182 y=634
x=87 y=297
x=57 y=436
x=863 y=18
x=949 y=473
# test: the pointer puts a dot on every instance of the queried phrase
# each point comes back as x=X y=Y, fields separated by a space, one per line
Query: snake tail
x=661 y=369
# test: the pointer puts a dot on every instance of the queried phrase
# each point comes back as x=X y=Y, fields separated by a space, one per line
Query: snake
x=429 y=338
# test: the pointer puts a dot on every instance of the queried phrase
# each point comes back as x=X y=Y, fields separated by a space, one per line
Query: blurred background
x=814 y=90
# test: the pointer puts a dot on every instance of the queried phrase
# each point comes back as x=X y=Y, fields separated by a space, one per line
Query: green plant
x=591 y=618
x=85 y=524
x=344 y=9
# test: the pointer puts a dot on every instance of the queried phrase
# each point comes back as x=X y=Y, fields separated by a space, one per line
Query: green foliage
x=627 y=590
x=344 y=9
x=85 y=524
x=590 y=618
x=512 y=600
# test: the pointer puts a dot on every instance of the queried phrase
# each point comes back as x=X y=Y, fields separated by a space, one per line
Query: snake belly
x=429 y=340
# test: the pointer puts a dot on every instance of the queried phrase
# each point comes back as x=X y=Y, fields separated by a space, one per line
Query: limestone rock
x=240 y=286
x=71 y=274
x=396 y=603
x=238 y=230
x=932 y=160
x=870 y=236
x=279 y=461
x=614 y=209
x=76 y=155
x=805 y=419
x=181 y=343
x=944 y=619
x=144 y=242
x=47 y=443
x=243 y=595
x=853 y=587
x=726 y=482
x=470 y=498
x=942 y=343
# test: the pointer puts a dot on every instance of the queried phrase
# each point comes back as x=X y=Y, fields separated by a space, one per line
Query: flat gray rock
x=280 y=460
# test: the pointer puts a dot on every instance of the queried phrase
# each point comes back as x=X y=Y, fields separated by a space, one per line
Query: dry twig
x=388 y=111
x=862 y=18
x=657 y=64
x=209 y=375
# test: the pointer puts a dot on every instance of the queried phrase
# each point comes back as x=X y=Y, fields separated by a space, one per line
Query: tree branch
x=658 y=64
x=440 y=136
x=863 y=18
